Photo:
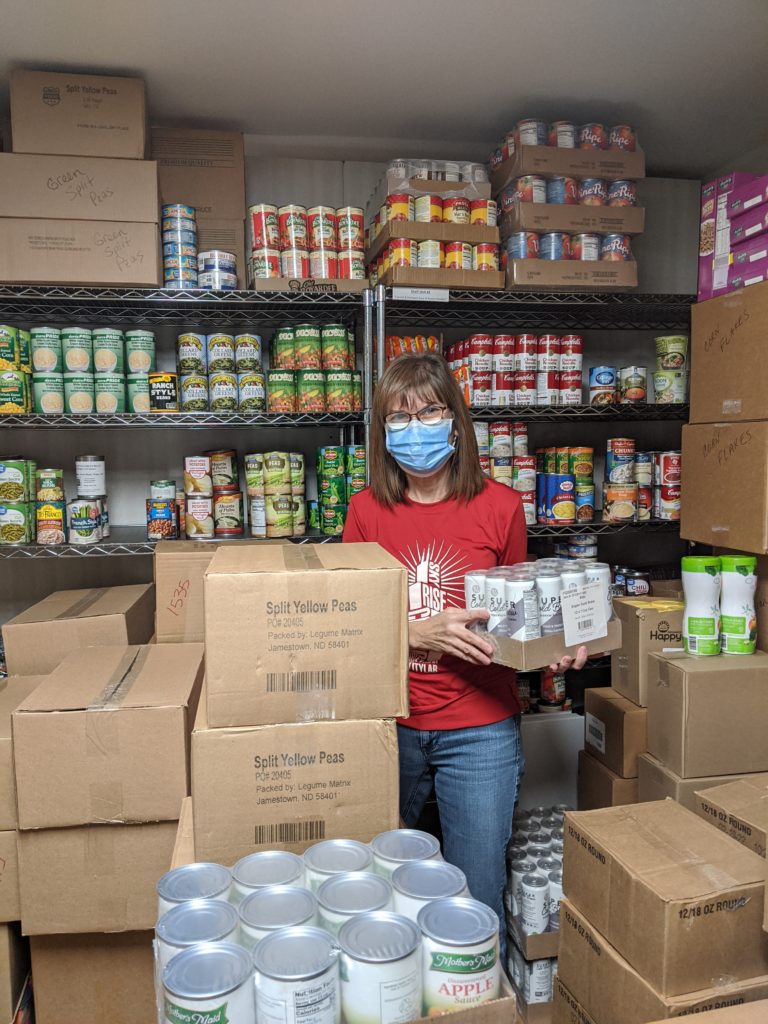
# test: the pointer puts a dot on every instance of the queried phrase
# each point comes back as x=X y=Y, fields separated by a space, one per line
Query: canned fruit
x=585 y=247
x=523 y=245
x=622 y=193
x=622 y=136
x=531 y=188
x=555 y=245
x=593 y=136
x=562 y=191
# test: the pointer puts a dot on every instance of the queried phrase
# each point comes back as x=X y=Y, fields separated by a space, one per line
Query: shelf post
x=381 y=327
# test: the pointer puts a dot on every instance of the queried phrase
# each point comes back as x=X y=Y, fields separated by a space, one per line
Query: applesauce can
x=460 y=954
x=456 y=211
x=403 y=253
x=428 y=209
x=212 y=981
x=292 y=221
x=431 y=254
x=274 y=907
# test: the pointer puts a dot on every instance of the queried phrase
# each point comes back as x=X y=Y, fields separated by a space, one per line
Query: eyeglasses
x=430 y=414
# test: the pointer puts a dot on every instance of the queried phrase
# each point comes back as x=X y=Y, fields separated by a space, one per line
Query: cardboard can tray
x=463 y=280
x=419 y=231
x=533 y=947
x=309 y=285
x=532 y=654
x=603 y=220
x=571 y=275
x=609 y=164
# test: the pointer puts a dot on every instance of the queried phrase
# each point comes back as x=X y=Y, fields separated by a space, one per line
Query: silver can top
x=268 y=867
x=208 y=970
x=295 y=954
x=429 y=879
x=404 y=844
x=535 y=881
x=334 y=856
x=523 y=864
x=194 y=882
x=459 y=921
x=381 y=937
x=197 y=921
x=277 y=906
x=356 y=892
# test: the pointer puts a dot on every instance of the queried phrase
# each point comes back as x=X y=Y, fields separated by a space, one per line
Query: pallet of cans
x=312 y=370
x=334 y=932
x=341 y=473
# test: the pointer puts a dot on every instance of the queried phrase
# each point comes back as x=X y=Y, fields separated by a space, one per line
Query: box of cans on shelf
x=578 y=218
x=440 y=178
x=457 y=276
x=606 y=273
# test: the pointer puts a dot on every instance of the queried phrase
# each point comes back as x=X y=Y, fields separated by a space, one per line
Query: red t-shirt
x=438 y=544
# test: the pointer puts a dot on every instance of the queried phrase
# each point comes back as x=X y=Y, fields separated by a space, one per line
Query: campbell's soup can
x=399 y=207
x=503 y=352
x=524 y=471
x=547 y=387
x=622 y=136
x=531 y=132
x=295 y=263
x=548 y=350
x=562 y=191
x=593 y=192
x=593 y=136
x=667 y=502
x=482 y=387
x=293 y=227
x=483 y=211
x=667 y=468
x=485 y=464
x=519 y=439
x=525 y=388
x=485 y=256
x=352 y=264
x=321 y=228
x=644 y=468
x=602 y=385
x=555 y=245
x=585 y=247
x=264 y=227
x=622 y=193
x=350 y=227
x=431 y=254
x=570 y=387
x=523 y=245
x=403 y=253
x=526 y=346
x=264 y=263
x=458 y=256
x=500 y=440
x=531 y=188
x=616 y=248
x=480 y=351
x=456 y=211
x=503 y=388
x=644 y=502
x=571 y=349
x=324 y=263
x=428 y=209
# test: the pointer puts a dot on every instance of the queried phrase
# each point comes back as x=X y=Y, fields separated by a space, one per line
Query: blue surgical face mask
x=421 y=449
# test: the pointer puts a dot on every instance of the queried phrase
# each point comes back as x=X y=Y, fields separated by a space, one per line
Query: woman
x=430 y=505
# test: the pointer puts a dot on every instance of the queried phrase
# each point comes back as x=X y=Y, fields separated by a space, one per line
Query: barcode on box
x=301 y=682
x=585 y=624
x=595 y=734
x=290 y=832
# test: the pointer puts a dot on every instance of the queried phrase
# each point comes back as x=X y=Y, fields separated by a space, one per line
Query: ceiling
x=361 y=80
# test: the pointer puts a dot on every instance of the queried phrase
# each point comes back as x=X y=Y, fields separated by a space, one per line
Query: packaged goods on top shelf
x=733 y=249
x=564 y=135
x=184 y=266
x=447 y=178
x=417 y=344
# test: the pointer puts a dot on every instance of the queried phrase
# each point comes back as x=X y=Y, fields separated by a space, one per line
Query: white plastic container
x=460 y=954
x=342 y=897
x=297 y=978
x=701 y=615
x=275 y=906
x=400 y=845
x=423 y=881
x=381 y=977
x=738 y=619
x=200 y=881
x=268 y=867
x=211 y=982
x=335 y=857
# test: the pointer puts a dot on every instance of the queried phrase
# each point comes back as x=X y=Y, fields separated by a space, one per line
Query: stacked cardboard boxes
x=614 y=736
x=661 y=918
x=740 y=809
x=79 y=203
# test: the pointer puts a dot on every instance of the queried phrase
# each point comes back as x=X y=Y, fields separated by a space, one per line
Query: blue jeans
x=477 y=774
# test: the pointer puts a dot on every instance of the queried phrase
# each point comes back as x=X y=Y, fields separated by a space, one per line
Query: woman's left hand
x=567 y=662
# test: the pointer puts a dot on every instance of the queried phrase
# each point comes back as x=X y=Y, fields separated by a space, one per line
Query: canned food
x=485 y=256
x=525 y=388
x=247 y=352
x=84 y=517
x=402 y=252
x=161 y=519
x=428 y=209
x=593 y=192
x=78 y=392
x=483 y=211
x=251 y=392
x=667 y=469
x=672 y=352
x=338 y=391
x=350 y=225
x=199 y=524
x=264 y=227
x=666 y=503
x=530 y=188
x=569 y=387
x=615 y=248
x=257 y=516
x=380 y=964
x=46 y=350
x=670 y=387
x=503 y=388
x=108 y=351
x=217 y=261
x=633 y=384
x=343 y=896
x=48 y=393
x=283 y=349
x=278 y=513
x=331 y=461
x=562 y=191
x=277 y=473
x=192 y=354
x=307 y=347
x=581 y=463
x=281 y=391
x=602 y=385
x=140 y=355
x=199 y=881
x=585 y=247
x=321 y=228
x=547 y=387
x=333 y=857
x=523 y=245
x=254 y=475
x=310 y=391
x=50 y=521
x=197 y=475
x=334 y=347
x=77 y=349
x=48 y=485
x=225 y=475
x=264 y=264
x=555 y=245
x=534 y=904
x=456 y=211
x=324 y=263
x=295 y=263
x=622 y=193
x=222 y=392
x=109 y=393
x=176 y=262
x=210 y=981
x=460 y=954
x=191 y=923
x=482 y=387
x=228 y=514
x=593 y=136
x=163 y=392
x=564 y=135
x=217 y=281
x=622 y=136
x=585 y=502
x=561 y=499
x=178 y=211
x=9 y=347
x=458 y=256
x=637 y=582
x=292 y=223
x=431 y=254
x=332 y=520
x=179 y=238
x=137 y=392
x=352 y=264
x=399 y=207
x=620 y=503
x=531 y=132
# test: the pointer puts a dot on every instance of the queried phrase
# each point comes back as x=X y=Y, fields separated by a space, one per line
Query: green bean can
x=277 y=473
x=332 y=520
x=78 y=393
x=14 y=484
x=109 y=393
x=46 y=350
x=137 y=392
x=247 y=353
x=299 y=515
x=357 y=392
x=191 y=354
x=334 y=347
x=193 y=393
x=254 y=475
x=283 y=349
x=331 y=461
x=221 y=353
x=310 y=391
x=333 y=490
x=9 y=347
x=108 y=350
x=14 y=522
x=355 y=484
x=251 y=392
x=296 y=463
x=140 y=352
x=30 y=468
x=355 y=460
x=307 y=351
x=338 y=391
x=278 y=511
x=222 y=392
x=77 y=350
x=48 y=393
x=313 y=515
x=25 y=349
x=281 y=391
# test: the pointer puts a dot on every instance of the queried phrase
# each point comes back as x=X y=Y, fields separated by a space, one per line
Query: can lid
x=194 y=881
x=334 y=856
x=534 y=881
x=268 y=867
x=355 y=892
x=207 y=970
x=403 y=844
x=292 y=954
x=278 y=906
x=197 y=921
x=379 y=938
x=459 y=921
x=429 y=879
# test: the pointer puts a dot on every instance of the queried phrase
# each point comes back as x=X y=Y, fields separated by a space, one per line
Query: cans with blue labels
x=561 y=499
x=523 y=245
x=585 y=503
x=622 y=193
x=562 y=191
x=555 y=245
x=593 y=192
x=616 y=248
x=602 y=385
x=179 y=227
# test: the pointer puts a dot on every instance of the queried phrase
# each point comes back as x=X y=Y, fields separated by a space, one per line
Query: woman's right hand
x=449 y=633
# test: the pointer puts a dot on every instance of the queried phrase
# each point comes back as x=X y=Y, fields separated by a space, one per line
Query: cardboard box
x=391 y=181
x=465 y=280
x=309 y=285
x=533 y=1013
x=715 y=233
x=615 y=730
x=740 y=809
x=692 y=729
x=605 y=220
x=202 y=169
x=611 y=164
x=68 y=252
x=12 y=692
x=475 y=234
x=681 y=902
x=598 y=786
x=721 y=460
x=92 y=979
x=707 y=232
x=747 y=196
x=657 y=782
x=84 y=115
x=745 y=1013
x=93 y=878
x=647 y=624
x=671 y=589
x=38 y=639
x=184 y=847
x=291 y=633
x=14 y=968
x=288 y=786
x=105 y=739
x=532 y=654
x=533 y=947
x=10 y=909
x=229 y=236
x=751 y=251
x=566 y=275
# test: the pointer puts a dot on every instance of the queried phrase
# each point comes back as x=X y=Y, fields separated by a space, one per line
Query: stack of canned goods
x=628 y=582
x=292 y=241
x=670 y=380
x=180 y=266
x=524 y=600
x=563 y=135
x=15 y=370
x=213 y=506
x=627 y=386
x=565 y=486
x=275 y=487
x=18 y=495
x=427 y=208
x=165 y=511
x=559 y=245
x=500 y=446
x=220 y=373
x=565 y=191
x=434 y=254
x=217 y=270
x=543 y=691
x=312 y=370
x=341 y=473
x=413 y=345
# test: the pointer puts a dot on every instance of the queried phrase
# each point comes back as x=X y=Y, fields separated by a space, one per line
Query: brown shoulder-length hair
x=428 y=377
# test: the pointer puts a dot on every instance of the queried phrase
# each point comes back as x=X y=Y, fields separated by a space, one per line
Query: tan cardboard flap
x=184 y=847
x=625 y=220
x=564 y=275
x=10 y=909
x=740 y=809
x=657 y=782
x=472 y=280
x=13 y=692
x=65 y=604
x=531 y=654
x=250 y=558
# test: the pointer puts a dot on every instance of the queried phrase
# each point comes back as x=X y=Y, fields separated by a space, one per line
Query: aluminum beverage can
x=519 y=868
x=555 y=879
x=537 y=981
x=496 y=602
x=522 y=609
x=549 y=588
x=535 y=904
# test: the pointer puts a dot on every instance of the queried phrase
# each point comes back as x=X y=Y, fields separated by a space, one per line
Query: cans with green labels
x=193 y=393
x=278 y=511
x=283 y=349
x=332 y=491
x=334 y=347
x=281 y=391
x=357 y=392
x=221 y=353
x=109 y=393
x=222 y=392
x=247 y=353
x=13 y=391
x=355 y=460
x=9 y=347
x=15 y=522
x=78 y=393
x=254 y=475
x=108 y=350
x=14 y=483
x=277 y=473
x=338 y=391
x=46 y=350
x=313 y=515
x=738 y=619
x=310 y=391
x=191 y=354
x=307 y=350
x=137 y=392
x=77 y=350
x=332 y=519
x=252 y=392
x=296 y=464
x=48 y=393
x=331 y=461
x=140 y=353
x=25 y=349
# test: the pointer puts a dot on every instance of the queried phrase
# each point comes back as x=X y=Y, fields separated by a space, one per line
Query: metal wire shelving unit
x=640 y=412
x=174 y=421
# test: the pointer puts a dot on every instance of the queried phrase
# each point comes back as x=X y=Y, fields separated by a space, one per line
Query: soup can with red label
x=503 y=388
x=547 y=387
x=458 y=256
x=352 y=265
x=667 y=468
x=350 y=227
x=504 y=352
x=548 y=351
x=485 y=256
x=593 y=136
x=263 y=226
x=526 y=348
x=294 y=263
x=525 y=388
x=293 y=227
x=483 y=211
x=571 y=351
x=399 y=207
x=480 y=351
x=456 y=211
x=264 y=263
x=321 y=228
x=570 y=387
x=324 y=263
x=482 y=387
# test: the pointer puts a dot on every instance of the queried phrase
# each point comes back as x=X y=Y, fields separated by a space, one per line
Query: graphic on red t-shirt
x=435 y=582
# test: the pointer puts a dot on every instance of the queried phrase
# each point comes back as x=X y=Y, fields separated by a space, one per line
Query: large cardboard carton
x=84 y=115
x=526 y=655
x=203 y=169
x=604 y=220
x=680 y=901
x=729 y=381
x=745 y=1013
x=692 y=729
x=92 y=979
x=78 y=188
x=105 y=738
x=566 y=275
x=288 y=786
x=10 y=909
x=672 y=589
x=647 y=624
x=38 y=639
x=12 y=692
x=740 y=809
x=93 y=878
x=418 y=231
x=598 y=786
x=615 y=730
x=611 y=164
x=293 y=632
x=465 y=280
x=657 y=782
x=179 y=570
x=184 y=847
x=14 y=967
x=93 y=252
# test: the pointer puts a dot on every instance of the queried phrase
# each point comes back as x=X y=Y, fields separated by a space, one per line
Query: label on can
x=221 y=353
x=251 y=392
x=281 y=391
x=163 y=392
x=193 y=393
x=247 y=352
x=228 y=514
x=222 y=392
x=310 y=391
x=198 y=522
